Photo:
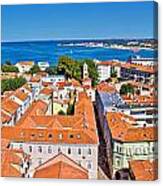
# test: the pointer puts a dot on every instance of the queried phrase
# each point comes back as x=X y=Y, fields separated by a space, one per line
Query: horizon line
x=78 y=39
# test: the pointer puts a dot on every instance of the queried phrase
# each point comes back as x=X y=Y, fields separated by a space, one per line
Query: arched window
x=79 y=151
x=59 y=149
x=69 y=150
x=89 y=151
x=30 y=148
x=39 y=149
x=40 y=161
x=89 y=165
x=49 y=149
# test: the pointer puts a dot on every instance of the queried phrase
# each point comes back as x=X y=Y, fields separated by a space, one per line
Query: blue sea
x=51 y=50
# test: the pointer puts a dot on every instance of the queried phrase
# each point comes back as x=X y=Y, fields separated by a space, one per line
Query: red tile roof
x=139 y=99
x=46 y=91
x=46 y=84
x=26 y=63
x=109 y=63
x=139 y=67
x=21 y=95
x=144 y=170
x=106 y=87
x=122 y=129
x=9 y=106
x=10 y=163
x=5 y=118
x=35 y=79
x=61 y=167
x=75 y=83
x=81 y=126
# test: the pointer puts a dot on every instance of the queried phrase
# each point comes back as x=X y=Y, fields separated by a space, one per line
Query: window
x=138 y=151
x=89 y=151
x=30 y=148
x=69 y=151
x=59 y=149
x=40 y=149
x=118 y=162
x=71 y=136
x=89 y=165
x=50 y=136
x=21 y=146
x=153 y=149
x=49 y=149
x=60 y=136
x=32 y=136
x=40 y=161
x=79 y=151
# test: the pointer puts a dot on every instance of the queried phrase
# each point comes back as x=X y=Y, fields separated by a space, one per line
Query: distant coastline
x=51 y=50
x=77 y=39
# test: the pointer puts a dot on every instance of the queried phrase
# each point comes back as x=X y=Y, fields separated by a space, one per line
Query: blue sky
x=69 y=21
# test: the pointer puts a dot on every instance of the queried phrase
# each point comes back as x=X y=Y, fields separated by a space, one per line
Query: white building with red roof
x=43 y=136
x=24 y=66
x=61 y=167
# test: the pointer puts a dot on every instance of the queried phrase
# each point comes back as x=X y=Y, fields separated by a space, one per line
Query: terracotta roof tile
x=9 y=106
x=140 y=99
x=21 y=95
x=109 y=63
x=139 y=67
x=35 y=79
x=10 y=163
x=144 y=170
x=106 y=87
x=5 y=118
x=79 y=128
x=122 y=129
x=46 y=91
x=61 y=167
x=26 y=63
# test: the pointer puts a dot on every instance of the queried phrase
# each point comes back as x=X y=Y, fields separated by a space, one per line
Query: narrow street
x=102 y=156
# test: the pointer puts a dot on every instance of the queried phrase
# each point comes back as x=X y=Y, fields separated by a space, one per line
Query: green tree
x=51 y=70
x=8 y=62
x=73 y=69
x=114 y=73
x=12 y=84
x=34 y=69
x=69 y=67
x=92 y=70
x=126 y=89
x=61 y=112
x=9 y=68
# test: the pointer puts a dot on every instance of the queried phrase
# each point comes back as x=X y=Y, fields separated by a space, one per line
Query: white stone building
x=24 y=66
x=43 y=136
x=43 y=65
